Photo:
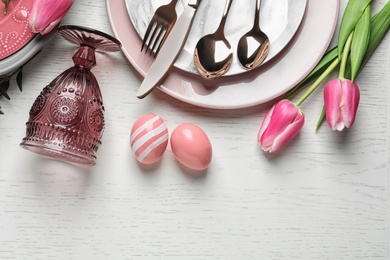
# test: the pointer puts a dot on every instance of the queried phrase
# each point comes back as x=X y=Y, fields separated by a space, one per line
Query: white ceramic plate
x=273 y=79
x=278 y=19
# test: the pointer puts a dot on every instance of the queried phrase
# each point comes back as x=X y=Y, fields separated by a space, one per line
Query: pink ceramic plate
x=252 y=88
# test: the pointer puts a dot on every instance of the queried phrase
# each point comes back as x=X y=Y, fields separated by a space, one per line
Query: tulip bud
x=280 y=125
x=341 y=97
x=46 y=14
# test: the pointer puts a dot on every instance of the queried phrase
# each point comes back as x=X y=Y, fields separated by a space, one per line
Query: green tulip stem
x=6 y=2
x=345 y=55
x=319 y=80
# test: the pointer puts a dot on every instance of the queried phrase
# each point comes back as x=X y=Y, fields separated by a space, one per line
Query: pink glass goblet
x=67 y=119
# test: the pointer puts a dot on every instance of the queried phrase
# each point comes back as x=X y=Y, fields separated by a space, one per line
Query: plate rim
x=213 y=99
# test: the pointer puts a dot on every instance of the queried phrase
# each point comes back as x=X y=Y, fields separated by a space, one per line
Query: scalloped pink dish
x=271 y=80
x=18 y=44
x=15 y=31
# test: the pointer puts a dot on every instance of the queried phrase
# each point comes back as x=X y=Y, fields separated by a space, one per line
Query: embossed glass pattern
x=66 y=121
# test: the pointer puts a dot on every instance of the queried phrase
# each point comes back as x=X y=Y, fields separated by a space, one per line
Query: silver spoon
x=253 y=46
x=213 y=55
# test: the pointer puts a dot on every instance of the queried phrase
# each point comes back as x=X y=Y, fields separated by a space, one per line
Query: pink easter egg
x=149 y=138
x=191 y=146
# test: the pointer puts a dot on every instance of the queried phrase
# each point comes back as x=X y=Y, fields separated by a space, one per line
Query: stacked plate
x=299 y=30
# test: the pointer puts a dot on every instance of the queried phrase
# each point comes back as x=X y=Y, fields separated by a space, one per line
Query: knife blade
x=171 y=49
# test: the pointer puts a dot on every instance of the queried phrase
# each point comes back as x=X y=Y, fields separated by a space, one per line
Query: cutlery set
x=213 y=55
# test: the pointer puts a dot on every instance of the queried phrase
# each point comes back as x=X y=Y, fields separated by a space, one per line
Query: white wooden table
x=325 y=196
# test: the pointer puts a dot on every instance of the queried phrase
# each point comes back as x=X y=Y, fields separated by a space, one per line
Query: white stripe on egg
x=149 y=138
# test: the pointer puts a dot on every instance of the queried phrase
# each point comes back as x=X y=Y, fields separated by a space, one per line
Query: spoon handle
x=257 y=12
x=224 y=16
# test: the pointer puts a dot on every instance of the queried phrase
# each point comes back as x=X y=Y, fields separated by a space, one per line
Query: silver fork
x=159 y=27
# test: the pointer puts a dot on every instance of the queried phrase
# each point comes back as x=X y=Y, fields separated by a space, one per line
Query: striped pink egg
x=149 y=138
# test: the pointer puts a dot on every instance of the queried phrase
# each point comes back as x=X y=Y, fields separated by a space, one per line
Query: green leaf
x=19 y=80
x=360 y=41
x=3 y=89
x=351 y=16
x=324 y=63
x=380 y=25
x=321 y=119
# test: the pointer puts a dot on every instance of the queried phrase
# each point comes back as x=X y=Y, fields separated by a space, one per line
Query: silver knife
x=170 y=50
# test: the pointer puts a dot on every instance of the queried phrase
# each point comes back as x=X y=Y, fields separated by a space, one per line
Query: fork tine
x=152 y=24
x=158 y=41
x=164 y=36
x=152 y=38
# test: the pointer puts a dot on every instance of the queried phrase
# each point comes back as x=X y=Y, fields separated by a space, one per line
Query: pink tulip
x=46 y=14
x=341 y=98
x=280 y=125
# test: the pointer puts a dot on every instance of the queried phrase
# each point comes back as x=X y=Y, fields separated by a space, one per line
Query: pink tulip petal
x=351 y=98
x=332 y=99
x=341 y=97
x=289 y=133
x=279 y=125
x=265 y=123
x=283 y=115
x=51 y=26
x=46 y=14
